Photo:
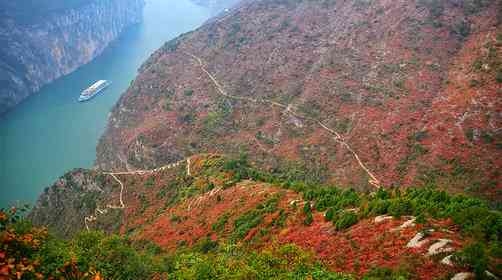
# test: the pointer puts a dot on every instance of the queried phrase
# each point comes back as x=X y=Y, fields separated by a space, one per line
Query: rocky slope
x=211 y=198
x=412 y=87
x=40 y=42
x=64 y=206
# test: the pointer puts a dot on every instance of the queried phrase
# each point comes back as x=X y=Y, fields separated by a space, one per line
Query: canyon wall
x=38 y=48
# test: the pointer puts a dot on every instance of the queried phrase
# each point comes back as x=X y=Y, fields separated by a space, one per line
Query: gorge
x=280 y=139
x=50 y=132
x=42 y=43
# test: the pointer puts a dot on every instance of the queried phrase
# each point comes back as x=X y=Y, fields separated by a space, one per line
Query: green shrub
x=249 y=220
x=150 y=182
x=330 y=214
x=399 y=207
x=382 y=193
x=307 y=208
x=281 y=220
x=498 y=76
x=474 y=83
x=144 y=202
x=236 y=262
x=474 y=256
x=166 y=106
x=53 y=255
x=435 y=7
x=204 y=271
x=240 y=167
x=172 y=45
x=379 y=206
x=383 y=273
x=245 y=223
x=207 y=245
x=219 y=225
x=310 y=108
x=462 y=29
x=332 y=197
x=187 y=117
x=421 y=219
x=475 y=6
x=345 y=220
x=480 y=222
x=175 y=219
x=309 y=218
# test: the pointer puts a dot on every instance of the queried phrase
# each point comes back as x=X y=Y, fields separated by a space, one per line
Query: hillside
x=291 y=139
x=404 y=92
x=194 y=211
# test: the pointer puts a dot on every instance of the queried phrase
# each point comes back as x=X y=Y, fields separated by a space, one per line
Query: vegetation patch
x=32 y=253
x=219 y=225
x=249 y=220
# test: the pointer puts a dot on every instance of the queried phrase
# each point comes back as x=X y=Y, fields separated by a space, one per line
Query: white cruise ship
x=91 y=91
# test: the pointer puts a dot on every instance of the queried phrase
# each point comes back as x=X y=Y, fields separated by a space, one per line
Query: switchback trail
x=336 y=136
x=98 y=211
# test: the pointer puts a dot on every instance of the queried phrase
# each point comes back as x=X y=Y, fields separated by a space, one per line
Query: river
x=51 y=133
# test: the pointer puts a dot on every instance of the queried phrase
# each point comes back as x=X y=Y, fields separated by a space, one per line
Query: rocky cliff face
x=37 y=51
x=411 y=87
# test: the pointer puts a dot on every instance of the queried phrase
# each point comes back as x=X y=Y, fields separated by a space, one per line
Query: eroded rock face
x=36 y=52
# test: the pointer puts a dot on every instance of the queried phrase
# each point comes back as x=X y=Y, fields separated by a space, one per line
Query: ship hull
x=83 y=98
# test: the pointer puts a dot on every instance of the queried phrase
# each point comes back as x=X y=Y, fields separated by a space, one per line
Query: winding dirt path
x=288 y=108
x=98 y=211
x=336 y=136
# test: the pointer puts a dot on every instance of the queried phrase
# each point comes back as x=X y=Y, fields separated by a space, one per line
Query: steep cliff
x=64 y=206
x=39 y=42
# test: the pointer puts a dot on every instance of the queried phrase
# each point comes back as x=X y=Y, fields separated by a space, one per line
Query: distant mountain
x=43 y=40
x=404 y=92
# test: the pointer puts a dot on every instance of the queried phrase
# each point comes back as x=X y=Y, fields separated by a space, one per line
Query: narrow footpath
x=98 y=211
x=287 y=108
x=336 y=136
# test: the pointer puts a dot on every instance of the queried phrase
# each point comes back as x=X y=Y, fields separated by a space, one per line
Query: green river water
x=51 y=133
